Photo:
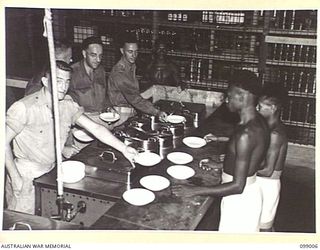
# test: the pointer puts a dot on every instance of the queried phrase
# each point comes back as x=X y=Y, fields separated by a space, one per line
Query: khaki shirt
x=123 y=89
x=32 y=119
x=88 y=93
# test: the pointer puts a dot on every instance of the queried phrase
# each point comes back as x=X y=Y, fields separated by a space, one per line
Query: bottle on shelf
x=199 y=66
x=193 y=66
x=205 y=17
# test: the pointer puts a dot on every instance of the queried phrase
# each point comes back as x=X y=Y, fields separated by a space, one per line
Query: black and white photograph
x=196 y=120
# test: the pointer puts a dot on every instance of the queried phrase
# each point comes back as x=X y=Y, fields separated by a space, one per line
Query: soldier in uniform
x=123 y=86
x=29 y=127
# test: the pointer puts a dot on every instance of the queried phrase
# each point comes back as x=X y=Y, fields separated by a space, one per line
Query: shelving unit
x=291 y=61
x=207 y=46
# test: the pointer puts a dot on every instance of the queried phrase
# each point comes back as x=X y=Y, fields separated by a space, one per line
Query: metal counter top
x=166 y=212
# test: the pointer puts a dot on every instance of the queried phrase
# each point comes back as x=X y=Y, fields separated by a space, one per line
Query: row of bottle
x=299 y=110
x=299 y=81
x=291 y=52
x=143 y=35
x=279 y=19
x=199 y=40
x=209 y=70
x=213 y=17
x=294 y=19
x=143 y=14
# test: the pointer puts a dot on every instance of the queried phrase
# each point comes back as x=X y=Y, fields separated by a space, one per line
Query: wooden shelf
x=110 y=19
x=222 y=57
x=311 y=33
x=299 y=124
x=291 y=63
x=210 y=26
x=301 y=94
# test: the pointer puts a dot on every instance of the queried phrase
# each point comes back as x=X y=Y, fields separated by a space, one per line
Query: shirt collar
x=127 y=64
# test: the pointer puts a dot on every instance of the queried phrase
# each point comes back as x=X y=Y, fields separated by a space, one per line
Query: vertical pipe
x=48 y=28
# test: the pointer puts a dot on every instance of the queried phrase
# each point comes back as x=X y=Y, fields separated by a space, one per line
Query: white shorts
x=240 y=213
x=270 y=189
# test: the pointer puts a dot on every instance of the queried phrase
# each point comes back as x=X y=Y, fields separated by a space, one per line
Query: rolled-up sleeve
x=132 y=95
x=16 y=117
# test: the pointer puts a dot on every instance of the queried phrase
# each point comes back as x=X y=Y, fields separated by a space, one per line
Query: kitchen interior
x=205 y=46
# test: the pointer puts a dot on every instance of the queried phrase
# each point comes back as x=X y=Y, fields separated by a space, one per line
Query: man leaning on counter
x=242 y=199
x=123 y=86
x=29 y=125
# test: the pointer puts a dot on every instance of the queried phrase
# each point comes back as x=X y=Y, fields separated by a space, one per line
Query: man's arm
x=242 y=159
x=11 y=167
x=105 y=136
x=272 y=155
x=133 y=96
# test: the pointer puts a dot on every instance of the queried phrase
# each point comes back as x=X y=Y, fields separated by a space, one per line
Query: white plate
x=180 y=157
x=147 y=159
x=138 y=196
x=175 y=118
x=72 y=171
x=180 y=172
x=109 y=117
x=194 y=142
x=81 y=135
x=154 y=182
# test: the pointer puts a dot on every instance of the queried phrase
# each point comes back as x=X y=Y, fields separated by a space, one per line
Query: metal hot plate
x=105 y=163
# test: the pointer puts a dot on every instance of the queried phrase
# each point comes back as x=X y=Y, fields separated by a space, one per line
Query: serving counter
x=102 y=188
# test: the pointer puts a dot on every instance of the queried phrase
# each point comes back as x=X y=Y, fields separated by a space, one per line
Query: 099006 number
x=308 y=245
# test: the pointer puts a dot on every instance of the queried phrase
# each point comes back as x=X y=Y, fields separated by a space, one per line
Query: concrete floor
x=296 y=210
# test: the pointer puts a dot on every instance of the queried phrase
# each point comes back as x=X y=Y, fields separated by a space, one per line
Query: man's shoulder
x=119 y=67
x=76 y=66
x=31 y=99
x=279 y=132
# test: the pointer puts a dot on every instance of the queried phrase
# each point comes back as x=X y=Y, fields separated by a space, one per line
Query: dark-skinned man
x=242 y=199
x=268 y=178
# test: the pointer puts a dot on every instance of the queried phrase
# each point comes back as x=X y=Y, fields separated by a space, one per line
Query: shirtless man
x=268 y=178
x=242 y=201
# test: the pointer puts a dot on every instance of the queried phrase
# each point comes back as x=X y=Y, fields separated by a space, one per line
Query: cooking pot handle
x=26 y=225
x=108 y=152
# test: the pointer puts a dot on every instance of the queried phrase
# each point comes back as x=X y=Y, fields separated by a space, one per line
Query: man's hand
x=163 y=116
x=130 y=153
x=184 y=190
x=69 y=151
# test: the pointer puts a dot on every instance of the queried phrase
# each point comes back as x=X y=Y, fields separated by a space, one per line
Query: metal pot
x=141 y=124
x=165 y=138
x=155 y=123
x=176 y=129
x=139 y=141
